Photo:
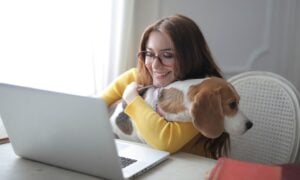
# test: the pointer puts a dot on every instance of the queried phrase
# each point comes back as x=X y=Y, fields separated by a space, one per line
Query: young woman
x=171 y=49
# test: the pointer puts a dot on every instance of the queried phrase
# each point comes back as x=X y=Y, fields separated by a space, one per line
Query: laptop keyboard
x=126 y=161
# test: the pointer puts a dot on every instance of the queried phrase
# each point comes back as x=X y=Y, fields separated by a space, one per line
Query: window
x=55 y=44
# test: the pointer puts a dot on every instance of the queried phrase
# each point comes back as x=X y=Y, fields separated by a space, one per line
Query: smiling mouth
x=161 y=75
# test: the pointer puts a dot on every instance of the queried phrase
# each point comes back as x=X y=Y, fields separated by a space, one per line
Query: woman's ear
x=207 y=113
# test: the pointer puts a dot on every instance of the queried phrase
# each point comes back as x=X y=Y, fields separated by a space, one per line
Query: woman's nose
x=156 y=62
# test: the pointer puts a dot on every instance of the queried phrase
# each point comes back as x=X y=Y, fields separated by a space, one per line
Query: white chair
x=272 y=103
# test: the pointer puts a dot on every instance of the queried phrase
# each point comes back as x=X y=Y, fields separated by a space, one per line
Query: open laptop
x=71 y=132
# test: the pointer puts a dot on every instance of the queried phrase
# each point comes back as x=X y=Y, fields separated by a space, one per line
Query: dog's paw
x=130 y=92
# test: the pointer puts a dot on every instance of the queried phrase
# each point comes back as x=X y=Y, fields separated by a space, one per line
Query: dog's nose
x=249 y=124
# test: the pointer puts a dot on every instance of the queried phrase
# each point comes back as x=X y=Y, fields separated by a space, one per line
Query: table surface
x=177 y=166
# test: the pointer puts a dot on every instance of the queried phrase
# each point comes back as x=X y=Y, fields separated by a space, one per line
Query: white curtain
x=122 y=52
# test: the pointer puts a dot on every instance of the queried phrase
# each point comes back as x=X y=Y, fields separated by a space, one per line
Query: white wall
x=243 y=35
x=294 y=59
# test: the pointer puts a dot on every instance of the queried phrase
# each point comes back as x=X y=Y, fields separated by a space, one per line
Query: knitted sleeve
x=115 y=90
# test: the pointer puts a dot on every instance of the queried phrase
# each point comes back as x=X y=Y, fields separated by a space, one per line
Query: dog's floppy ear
x=207 y=113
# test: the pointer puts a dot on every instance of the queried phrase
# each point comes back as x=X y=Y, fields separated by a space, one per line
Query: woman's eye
x=233 y=105
x=149 y=54
x=168 y=55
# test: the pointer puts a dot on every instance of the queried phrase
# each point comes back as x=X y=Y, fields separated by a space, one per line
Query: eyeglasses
x=166 y=58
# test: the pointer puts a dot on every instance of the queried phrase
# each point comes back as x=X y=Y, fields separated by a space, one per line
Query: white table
x=178 y=166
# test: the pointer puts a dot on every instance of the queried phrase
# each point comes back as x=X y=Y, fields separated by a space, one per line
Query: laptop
x=71 y=132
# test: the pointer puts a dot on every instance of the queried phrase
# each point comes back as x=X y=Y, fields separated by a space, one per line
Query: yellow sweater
x=156 y=131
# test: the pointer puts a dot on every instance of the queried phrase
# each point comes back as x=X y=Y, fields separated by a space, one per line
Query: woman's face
x=160 y=59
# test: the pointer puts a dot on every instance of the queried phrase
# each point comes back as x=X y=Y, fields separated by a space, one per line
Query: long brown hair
x=193 y=60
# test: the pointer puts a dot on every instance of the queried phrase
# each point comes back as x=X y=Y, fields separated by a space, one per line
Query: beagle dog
x=212 y=104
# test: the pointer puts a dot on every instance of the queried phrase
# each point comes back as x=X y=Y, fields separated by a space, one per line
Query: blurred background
x=80 y=46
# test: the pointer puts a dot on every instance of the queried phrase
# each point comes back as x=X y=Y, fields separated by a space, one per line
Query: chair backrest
x=272 y=103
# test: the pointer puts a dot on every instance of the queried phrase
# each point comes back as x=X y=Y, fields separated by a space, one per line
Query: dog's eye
x=233 y=105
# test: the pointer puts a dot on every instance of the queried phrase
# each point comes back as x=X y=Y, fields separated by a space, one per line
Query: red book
x=230 y=169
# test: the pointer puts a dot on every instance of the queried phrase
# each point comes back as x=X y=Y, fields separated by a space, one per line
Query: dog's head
x=215 y=108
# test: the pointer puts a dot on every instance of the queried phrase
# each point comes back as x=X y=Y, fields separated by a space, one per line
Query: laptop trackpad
x=138 y=152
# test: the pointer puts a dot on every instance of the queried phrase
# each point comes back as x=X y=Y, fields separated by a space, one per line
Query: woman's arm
x=156 y=131
x=115 y=90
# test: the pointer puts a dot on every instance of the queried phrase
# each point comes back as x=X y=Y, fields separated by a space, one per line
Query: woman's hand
x=130 y=92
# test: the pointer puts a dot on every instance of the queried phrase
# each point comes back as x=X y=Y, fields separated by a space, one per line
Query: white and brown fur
x=212 y=104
